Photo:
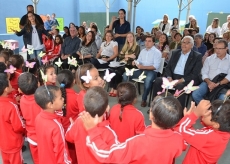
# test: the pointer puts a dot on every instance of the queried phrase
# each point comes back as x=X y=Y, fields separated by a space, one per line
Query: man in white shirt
x=225 y=26
x=148 y=61
x=213 y=66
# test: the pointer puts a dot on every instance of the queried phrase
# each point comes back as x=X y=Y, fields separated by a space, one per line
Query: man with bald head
x=70 y=47
x=184 y=65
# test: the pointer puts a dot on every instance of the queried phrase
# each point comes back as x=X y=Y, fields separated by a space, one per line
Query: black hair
x=123 y=11
x=173 y=21
x=126 y=93
x=45 y=95
x=71 y=23
x=221 y=114
x=57 y=30
x=32 y=70
x=27 y=83
x=30 y=6
x=44 y=69
x=5 y=54
x=95 y=27
x=177 y=34
x=166 y=111
x=61 y=40
x=4 y=83
x=65 y=79
x=96 y=101
x=2 y=67
x=92 y=40
x=28 y=23
x=165 y=43
x=83 y=28
x=17 y=61
x=67 y=29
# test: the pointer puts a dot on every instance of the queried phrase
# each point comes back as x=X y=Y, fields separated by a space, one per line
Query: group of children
x=63 y=126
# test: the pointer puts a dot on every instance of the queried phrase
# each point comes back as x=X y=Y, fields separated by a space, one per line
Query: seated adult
x=107 y=53
x=202 y=48
x=128 y=54
x=163 y=46
x=185 y=65
x=88 y=49
x=177 y=41
x=70 y=47
x=148 y=62
x=164 y=25
x=214 y=27
x=214 y=65
x=98 y=39
x=226 y=25
x=210 y=41
x=48 y=23
x=190 y=18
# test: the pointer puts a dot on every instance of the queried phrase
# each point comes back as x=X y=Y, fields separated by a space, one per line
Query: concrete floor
x=225 y=159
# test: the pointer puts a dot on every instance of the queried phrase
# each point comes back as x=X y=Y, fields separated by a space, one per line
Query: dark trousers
x=117 y=79
x=97 y=64
x=157 y=87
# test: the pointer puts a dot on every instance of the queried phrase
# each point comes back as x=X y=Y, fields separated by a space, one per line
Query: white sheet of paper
x=101 y=61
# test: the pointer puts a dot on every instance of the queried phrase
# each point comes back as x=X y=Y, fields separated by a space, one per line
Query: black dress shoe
x=143 y=103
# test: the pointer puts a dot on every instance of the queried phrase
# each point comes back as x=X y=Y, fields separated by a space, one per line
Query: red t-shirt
x=12 y=127
x=80 y=100
x=30 y=110
x=71 y=108
x=206 y=144
x=153 y=146
x=52 y=147
x=132 y=121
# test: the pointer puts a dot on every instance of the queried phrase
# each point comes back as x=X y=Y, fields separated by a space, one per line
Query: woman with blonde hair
x=164 y=25
x=194 y=25
x=214 y=27
x=128 y=54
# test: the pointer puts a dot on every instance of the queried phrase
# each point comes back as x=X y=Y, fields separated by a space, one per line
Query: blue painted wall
x=147 y=10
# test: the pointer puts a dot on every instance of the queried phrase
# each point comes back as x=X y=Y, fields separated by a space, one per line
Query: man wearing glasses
x=185 y=65
x=215 y=74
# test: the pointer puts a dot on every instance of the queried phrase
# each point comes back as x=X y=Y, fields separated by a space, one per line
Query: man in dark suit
x=185 y=65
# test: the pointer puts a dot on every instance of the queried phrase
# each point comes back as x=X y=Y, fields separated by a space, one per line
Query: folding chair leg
x=139 y=88
x=150 y=95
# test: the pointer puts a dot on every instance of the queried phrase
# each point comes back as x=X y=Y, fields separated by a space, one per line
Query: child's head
x=165 y=112
x=96 y=101
x=17 y=61
x=66 y=80
x=5 y=86
x=27 y=83
x=49 y=98
x=126 y=93
x=82 y=71
x=48 y=70
x=58 y=39
x=219 y=118
x=4 y=57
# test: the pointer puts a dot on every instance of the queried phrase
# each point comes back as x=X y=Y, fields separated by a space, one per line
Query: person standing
x=121 y=26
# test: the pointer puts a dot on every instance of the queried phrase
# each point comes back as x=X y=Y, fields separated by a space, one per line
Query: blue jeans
x=35 y=55
x=199 y=94
x=148 y=81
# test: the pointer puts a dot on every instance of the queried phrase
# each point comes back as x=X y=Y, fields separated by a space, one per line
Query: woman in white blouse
x=214 y=27
x=175 y=25
x=107 y=53
x=164 y=26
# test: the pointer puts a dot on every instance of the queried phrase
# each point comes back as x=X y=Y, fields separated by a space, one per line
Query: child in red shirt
x=49 y=44
x=96 y=103
x=11 y=125
x=92 y=78
x=52 y=147
x=16 y=61
x=158 y=143
x=28 y=84
x=51 y=56
x=119 y=117
x=206 y=144
x=70 y=109
x=48 y=70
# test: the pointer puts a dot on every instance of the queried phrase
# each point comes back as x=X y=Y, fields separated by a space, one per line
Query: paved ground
x=225 y=159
